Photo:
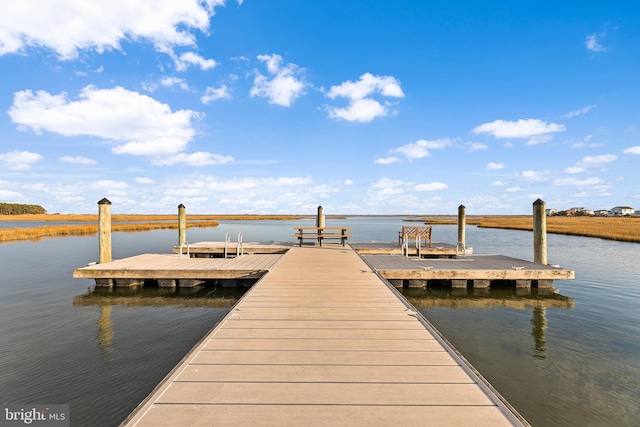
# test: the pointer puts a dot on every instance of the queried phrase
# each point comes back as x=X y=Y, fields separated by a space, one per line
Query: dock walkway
x=322 y=340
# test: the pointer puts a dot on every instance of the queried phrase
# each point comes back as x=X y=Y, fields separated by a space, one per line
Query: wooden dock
x=323 y=340
x=176 y=270
x=219 y=249
x=481 y=270
x=437 y=250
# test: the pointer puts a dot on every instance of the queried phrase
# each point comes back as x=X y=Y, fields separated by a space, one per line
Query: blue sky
x=363 y=107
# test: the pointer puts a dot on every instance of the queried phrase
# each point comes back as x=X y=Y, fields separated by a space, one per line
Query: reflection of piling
x=320 y=217
x=104 y=230
x=182 y=225
x=539 y=322
x=105 y=332
x=539 y=232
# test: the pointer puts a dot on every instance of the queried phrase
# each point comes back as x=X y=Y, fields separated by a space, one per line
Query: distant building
x=622 y=211
x=602 y=212
x=552 y=212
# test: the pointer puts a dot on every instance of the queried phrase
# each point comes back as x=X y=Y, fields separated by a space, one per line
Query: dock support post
x=104 y=230
x=539 y=232
x=182 y=225
x=481 y=283
x=462 y=219
x=397 y=283
x=320 y=217
x=459 y=283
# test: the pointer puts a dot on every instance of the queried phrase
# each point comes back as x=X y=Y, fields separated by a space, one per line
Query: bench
x=322 y=233
x=417 y=233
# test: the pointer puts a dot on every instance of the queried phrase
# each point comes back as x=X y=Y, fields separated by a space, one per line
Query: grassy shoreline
x=611 y=228
x=50 y=231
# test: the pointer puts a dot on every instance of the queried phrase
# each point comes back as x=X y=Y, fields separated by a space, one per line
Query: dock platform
x=481 y=270
x=437 y=250
x=219 y=249
x=175 y=270
x=323 y=340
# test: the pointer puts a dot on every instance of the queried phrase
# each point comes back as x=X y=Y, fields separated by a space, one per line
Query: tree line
x=20 y=209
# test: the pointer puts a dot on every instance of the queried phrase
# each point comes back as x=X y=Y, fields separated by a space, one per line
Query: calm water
x=558 y=366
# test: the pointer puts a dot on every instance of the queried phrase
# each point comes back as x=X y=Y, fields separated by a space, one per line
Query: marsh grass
x=145 y=218
x=48 y=231
x=611 y=228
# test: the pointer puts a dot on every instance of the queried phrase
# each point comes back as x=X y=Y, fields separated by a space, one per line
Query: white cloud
x=632 y=150
x=139 y=123
x=174 y=81
x=362 y=107
x=498 y=184
x=475 y=146
x=596 y=160
x=533 y=176
x=8 y=196
x=143 y=180
x=578 y=182
x=110 y=188
x=194 y=159
x=574 y=169
x=19 y=160
x=385 y=183
x=528 y=128
x=420 y=148
x=387 y=160
x=591 y=161
x=513 y=189
x=348 y=182
x=593 y=43
x=190 y=58
x=359 y=110
x=491 y=166
x=78 y=160
x=432 y=186
x=579 y=112
x=213 y=94
x=284 y=87
x=69 y=26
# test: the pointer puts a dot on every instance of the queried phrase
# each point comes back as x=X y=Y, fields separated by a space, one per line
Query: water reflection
x=198 y=296
x=539 y=322
x=538 y=300
x=106 y=298
x=105 y=333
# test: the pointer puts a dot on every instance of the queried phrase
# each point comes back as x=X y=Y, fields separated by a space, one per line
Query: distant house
x=622 y=211
x=602 y=212
x=552 y=212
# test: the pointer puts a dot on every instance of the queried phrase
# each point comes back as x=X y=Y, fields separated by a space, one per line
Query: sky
x=277 y=107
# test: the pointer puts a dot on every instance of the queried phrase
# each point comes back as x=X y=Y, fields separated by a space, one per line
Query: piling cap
x=461 y=206
x=104 y=201
x=538 y=202
x=180 y=206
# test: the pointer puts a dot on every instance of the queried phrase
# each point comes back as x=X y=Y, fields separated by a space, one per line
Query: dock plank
x=321 y=334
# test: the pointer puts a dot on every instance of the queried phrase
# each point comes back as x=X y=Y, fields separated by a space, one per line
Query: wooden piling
x=320 y=217
x=182 y=225
x=462 y=220
x=104 y=230
x=539 y=232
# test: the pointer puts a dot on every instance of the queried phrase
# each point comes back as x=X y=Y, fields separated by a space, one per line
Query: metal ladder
x=227 y=244
x=405 y=246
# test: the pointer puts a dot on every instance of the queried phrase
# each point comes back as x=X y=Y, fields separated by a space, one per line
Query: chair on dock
x=420 y=234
